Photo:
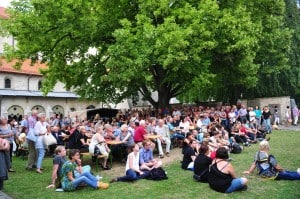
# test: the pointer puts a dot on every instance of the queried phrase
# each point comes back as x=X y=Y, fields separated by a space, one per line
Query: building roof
x=26 y=93
x=3 y=13
x=26 y=67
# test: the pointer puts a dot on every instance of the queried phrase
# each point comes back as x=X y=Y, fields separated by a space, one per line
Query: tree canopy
x=191 y=49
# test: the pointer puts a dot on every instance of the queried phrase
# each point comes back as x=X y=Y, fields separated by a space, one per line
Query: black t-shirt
x=266 y=115
x=187 y=157
x=74 y=140
x=60 y=161
x=202 y=163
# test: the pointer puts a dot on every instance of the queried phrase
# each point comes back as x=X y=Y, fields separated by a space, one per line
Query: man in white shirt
x=163 y=130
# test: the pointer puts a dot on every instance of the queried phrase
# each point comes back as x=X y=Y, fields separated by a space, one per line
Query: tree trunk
x=163 y=99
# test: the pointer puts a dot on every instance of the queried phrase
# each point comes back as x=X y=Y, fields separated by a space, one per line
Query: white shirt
x=136 y=161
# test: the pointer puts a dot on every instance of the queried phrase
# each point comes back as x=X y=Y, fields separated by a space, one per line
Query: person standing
x=40 y=130
x=295 y=115
x=5 y=161
x=31 y=138
x=257 y=117
x=288 y=116
x=266 y=114
x=7 y=134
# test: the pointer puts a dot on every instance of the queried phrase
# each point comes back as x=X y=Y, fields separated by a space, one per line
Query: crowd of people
x=205 y=134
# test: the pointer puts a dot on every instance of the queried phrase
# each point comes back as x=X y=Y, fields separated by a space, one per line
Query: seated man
x=163 y=130
x=78 y=140
x=147 y=162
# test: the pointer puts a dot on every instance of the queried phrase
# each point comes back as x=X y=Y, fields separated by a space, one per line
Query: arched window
x=39 y=108
x=40 y=85
x=58 y=110
x=15 y=112
x=7 y=83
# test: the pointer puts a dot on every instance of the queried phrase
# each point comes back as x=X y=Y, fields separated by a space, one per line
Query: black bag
x=199 y=178
x=235 y=148
x=157 y=174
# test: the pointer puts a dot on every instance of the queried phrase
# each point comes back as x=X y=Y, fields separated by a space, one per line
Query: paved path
x=4 y=196
x=290 y=128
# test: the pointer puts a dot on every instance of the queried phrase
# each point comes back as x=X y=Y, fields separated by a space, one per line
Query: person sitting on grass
x=201 y=164
x=58 y=161
x=268 y=167
x=189 y=156
x=147 y=161
x=69 y=182
x=132 y=168
x=222 y=177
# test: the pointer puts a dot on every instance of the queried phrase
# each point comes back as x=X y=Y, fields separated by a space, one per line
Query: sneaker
x=298 y=170
x=59 y=190
x=113 y=180
x=103 y=185
x=161 y=156
x=98 y=177
x=168 y=154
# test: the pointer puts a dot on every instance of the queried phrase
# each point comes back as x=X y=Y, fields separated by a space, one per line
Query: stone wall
x=280 y=102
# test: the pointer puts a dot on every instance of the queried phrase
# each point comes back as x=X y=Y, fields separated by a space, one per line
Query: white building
x=20 y=90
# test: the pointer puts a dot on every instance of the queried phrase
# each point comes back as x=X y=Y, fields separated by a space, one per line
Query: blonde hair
x=264 y=145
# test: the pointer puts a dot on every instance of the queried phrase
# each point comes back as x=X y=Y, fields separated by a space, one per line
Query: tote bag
x=49 y=139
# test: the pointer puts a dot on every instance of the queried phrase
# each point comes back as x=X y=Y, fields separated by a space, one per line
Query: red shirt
x=139 y=134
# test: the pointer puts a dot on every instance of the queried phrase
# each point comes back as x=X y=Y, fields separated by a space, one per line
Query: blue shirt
x=145 y=155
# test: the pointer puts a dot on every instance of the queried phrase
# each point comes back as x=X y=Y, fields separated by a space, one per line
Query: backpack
x=157 y=174
x=235 y=148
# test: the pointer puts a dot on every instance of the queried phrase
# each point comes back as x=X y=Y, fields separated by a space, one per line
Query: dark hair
x=203 y=149
x=222 y=153
x=188 y=134
x=73 y=152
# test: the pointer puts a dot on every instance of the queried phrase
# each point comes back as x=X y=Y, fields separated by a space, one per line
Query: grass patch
x=284 y=145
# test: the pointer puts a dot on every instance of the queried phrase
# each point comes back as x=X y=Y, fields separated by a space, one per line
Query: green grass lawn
x=284 y=145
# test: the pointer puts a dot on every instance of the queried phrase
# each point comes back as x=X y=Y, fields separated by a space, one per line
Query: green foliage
x=186 y=49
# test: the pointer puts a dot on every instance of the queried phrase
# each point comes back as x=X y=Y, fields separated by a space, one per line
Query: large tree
x=189 y=48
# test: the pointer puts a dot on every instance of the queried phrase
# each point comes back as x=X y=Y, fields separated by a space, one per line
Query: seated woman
x=99 y=147
x=58 y=161
x=222 y=177
x=70 y=183
x=186 y=142
x=132 y=168
x=268 y=167
x=127 y=138
x=201 y=164
x=189 y=156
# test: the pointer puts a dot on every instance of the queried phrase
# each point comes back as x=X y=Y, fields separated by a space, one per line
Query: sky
x=5 y=3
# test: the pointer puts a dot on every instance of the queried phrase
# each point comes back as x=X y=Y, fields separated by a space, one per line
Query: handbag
x=49 y=139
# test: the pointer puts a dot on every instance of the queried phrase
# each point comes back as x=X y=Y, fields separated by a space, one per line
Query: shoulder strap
x=224 y=166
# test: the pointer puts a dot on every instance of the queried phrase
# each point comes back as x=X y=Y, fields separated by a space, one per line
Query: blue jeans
x=86 y=178
x=41 y=154
x=177 y=135
x=267 y=123
x=236 y=184
x=132 y=175
x=288 y=175
x=86 y=168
